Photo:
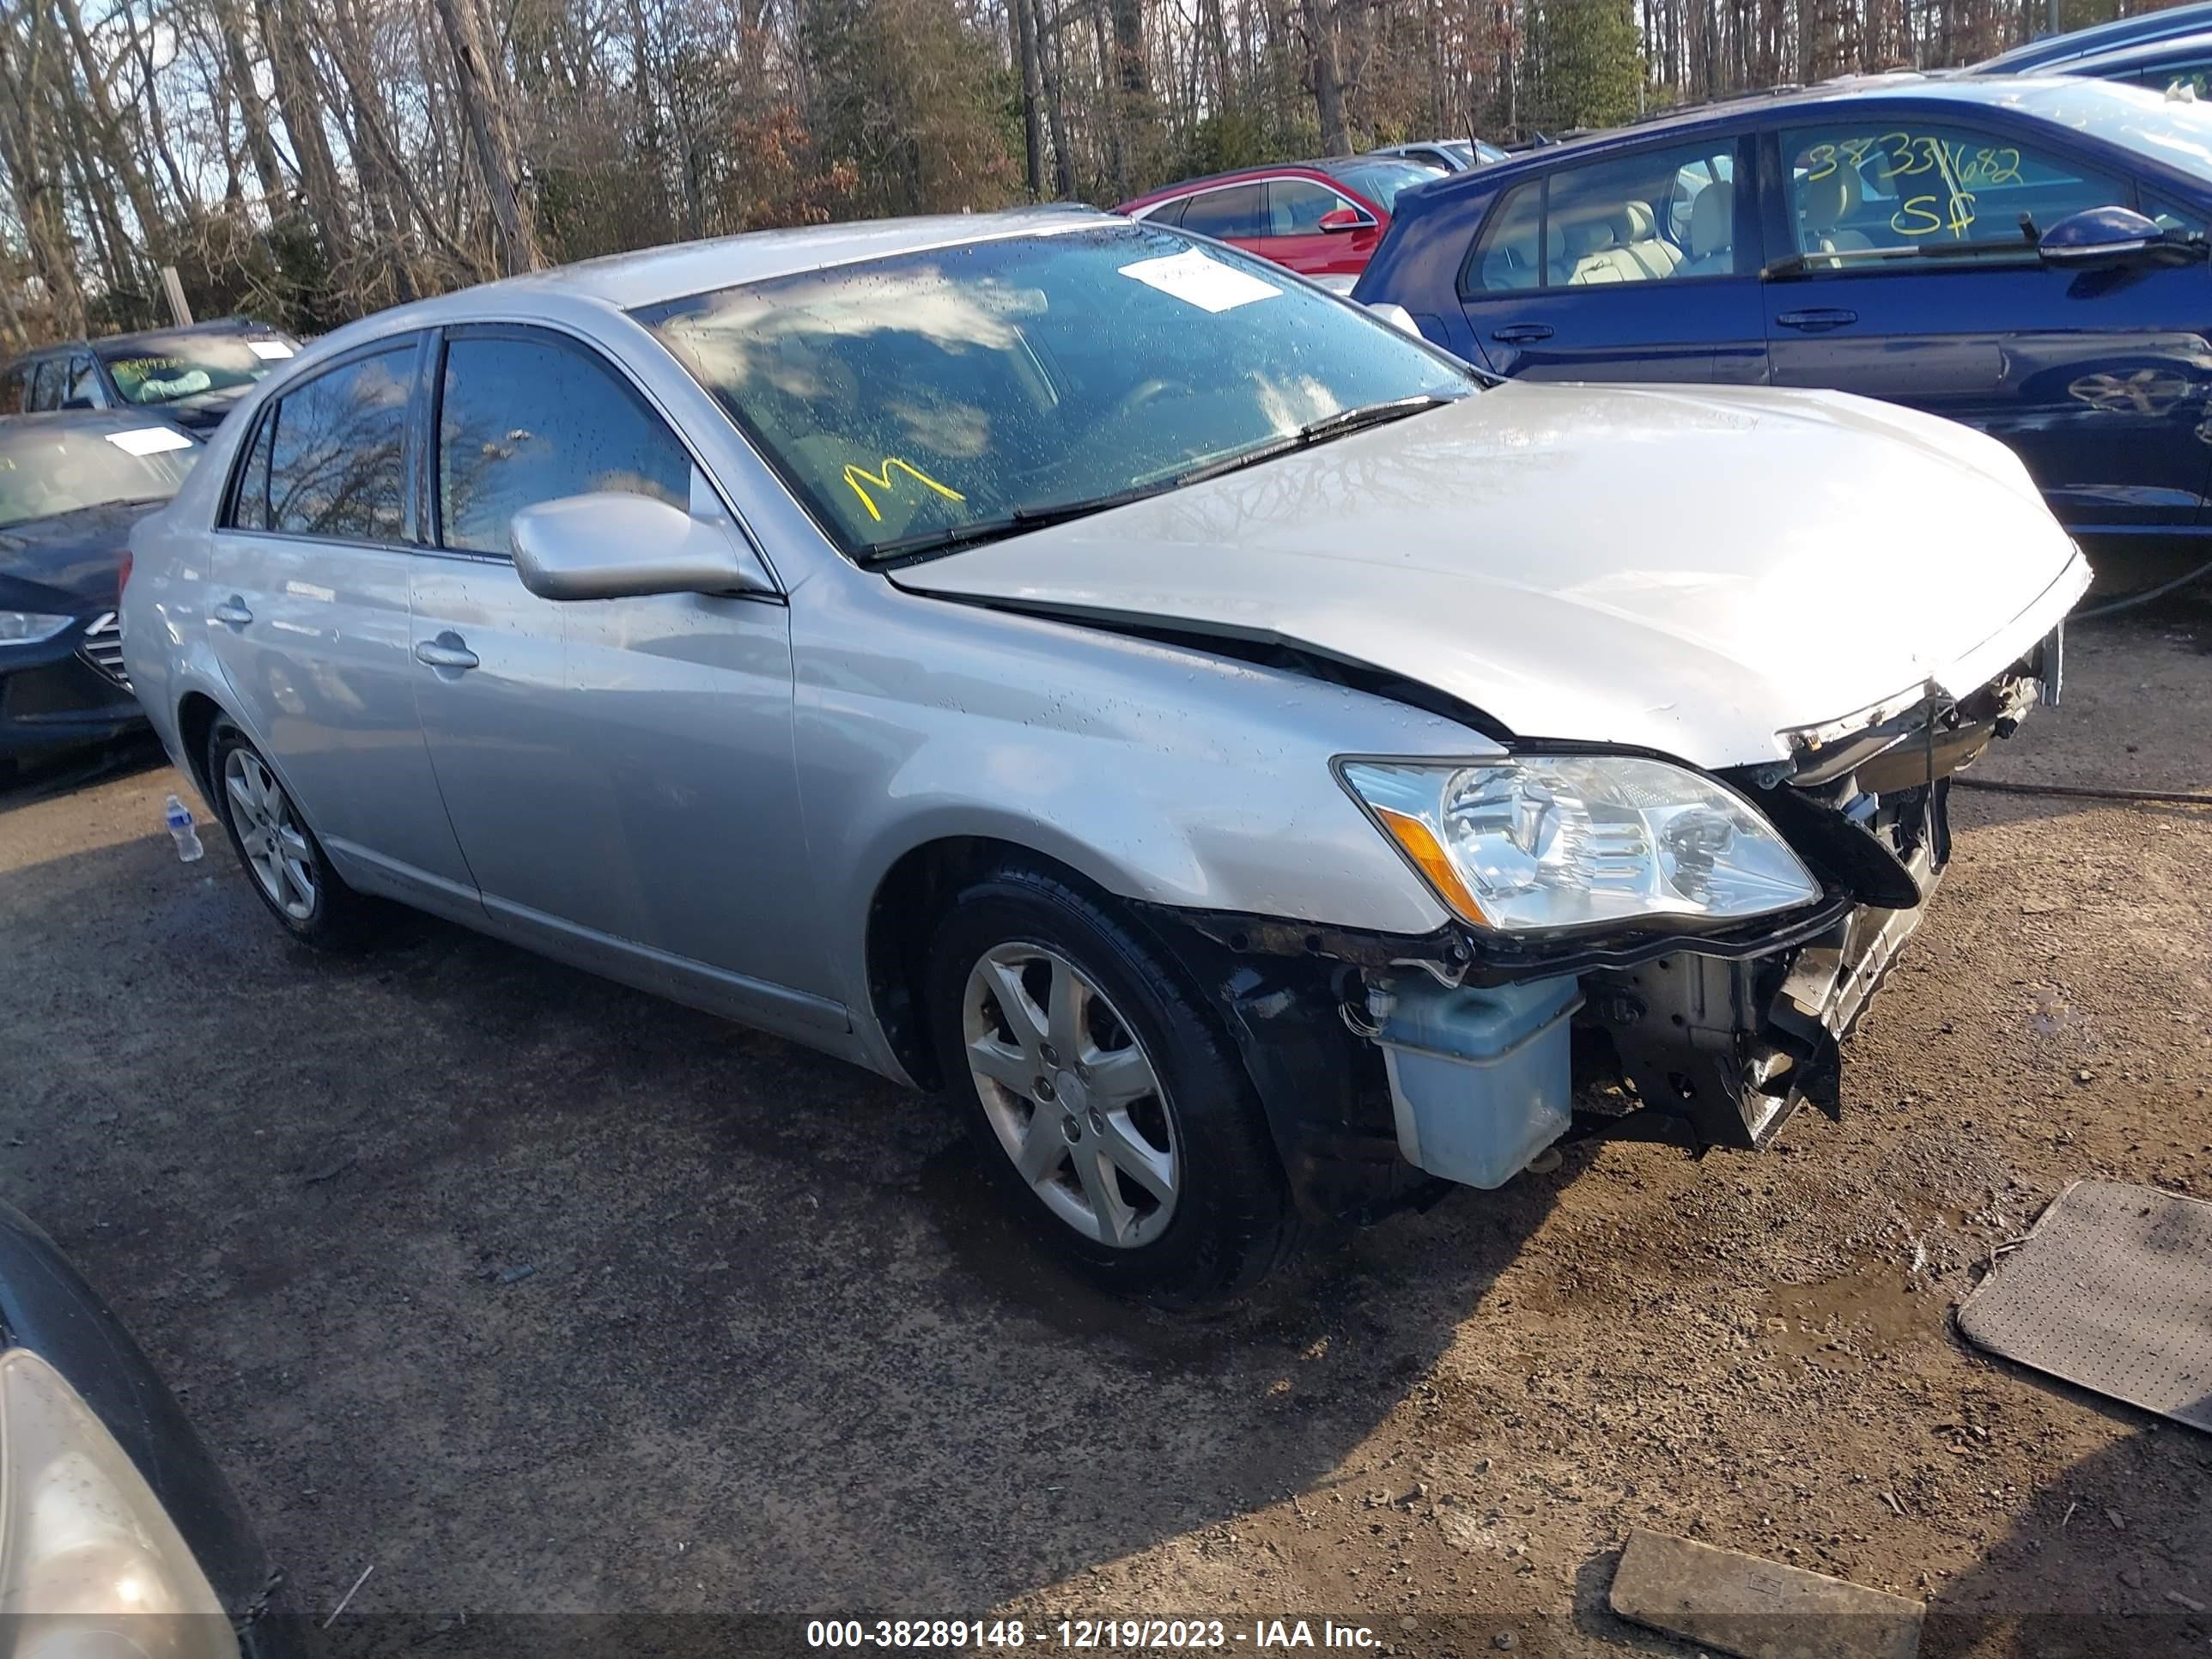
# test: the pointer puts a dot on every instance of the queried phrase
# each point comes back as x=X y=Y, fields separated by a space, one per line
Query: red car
x=1319 y=218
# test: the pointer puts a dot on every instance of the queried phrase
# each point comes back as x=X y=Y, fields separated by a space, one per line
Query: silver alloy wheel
x=276 y=847
x=1070 y=1094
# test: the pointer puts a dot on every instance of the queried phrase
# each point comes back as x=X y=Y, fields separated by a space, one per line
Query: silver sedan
x=1226 y=744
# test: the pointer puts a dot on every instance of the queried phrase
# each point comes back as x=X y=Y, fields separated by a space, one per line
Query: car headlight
x=29 y=627
x=1532 y=842
x=93 y=1564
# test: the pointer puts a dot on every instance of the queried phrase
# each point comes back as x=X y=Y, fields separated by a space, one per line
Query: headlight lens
x=29 y=627
x=1539 y=841
x=94 y=1564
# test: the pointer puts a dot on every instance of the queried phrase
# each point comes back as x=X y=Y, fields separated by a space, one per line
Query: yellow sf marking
x=854 y=474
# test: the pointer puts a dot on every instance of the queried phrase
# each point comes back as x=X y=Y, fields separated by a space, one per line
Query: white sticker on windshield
x=149 y=440
x=1199 y=279
x=270 y=349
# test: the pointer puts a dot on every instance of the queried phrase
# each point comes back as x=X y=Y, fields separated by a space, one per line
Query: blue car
x=2026 y=256
x=2059 y=54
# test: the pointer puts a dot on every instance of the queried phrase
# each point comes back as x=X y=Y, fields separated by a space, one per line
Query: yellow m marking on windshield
x=854 y=475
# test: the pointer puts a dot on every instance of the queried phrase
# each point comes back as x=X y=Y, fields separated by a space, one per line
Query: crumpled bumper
x=1733 y=1046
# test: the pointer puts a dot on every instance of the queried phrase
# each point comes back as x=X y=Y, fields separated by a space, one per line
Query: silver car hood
x=1694 y=571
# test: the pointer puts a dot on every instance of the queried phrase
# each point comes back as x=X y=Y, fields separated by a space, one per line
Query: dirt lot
x=776 y=1351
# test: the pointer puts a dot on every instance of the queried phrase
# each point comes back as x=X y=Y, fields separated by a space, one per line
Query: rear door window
x=1653 y=216
x=338 y=452
x=1236 y=213
x=1903 y=184
x=528 y=418
x=47 y=381
x=15 y=384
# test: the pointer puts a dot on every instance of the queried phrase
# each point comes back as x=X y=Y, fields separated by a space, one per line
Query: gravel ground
x=543 y=1297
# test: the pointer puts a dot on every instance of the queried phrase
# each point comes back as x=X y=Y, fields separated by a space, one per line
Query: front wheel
x=1109 y=1107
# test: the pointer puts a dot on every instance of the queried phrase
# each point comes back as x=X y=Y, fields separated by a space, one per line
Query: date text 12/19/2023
x=1119 y=1635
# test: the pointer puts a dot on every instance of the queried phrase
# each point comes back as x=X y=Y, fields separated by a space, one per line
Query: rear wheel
x=282 y=857
x=1110 y=1109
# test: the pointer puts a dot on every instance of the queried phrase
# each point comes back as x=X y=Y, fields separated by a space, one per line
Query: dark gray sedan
x=72 y=486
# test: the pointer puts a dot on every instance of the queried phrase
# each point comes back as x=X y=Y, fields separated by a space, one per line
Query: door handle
x=1819 y=320
x=232 y=612
x=1521 y=333
x=447 y=651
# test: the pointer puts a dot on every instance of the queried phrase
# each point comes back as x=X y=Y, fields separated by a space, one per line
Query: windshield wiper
x=1023 y=520
x=1340 y=424
x=1018 y=522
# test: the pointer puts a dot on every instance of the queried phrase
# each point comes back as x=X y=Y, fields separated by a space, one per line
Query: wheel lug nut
x=1050 y=1055
x=1098 y=1120
x=1044 y=1089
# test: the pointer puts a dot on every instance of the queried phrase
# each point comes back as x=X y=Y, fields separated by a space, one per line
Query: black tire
x=339 y=919
x=1231 y=1218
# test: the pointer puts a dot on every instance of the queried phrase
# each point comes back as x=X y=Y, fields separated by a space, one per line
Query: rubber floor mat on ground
x=2112 y=1290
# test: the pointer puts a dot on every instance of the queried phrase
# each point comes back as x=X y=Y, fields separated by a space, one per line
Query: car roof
x=674 y=272
x=2061 y=99
x=107 y=343
x=2144 y=52
x=1328 y=167
x=2101 y=37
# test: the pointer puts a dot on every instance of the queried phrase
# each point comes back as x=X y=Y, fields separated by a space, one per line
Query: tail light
x=122 y=575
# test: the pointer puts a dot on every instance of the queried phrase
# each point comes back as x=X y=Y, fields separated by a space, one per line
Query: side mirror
x=2109 y=236
x=1337 y=221
x=613 y=545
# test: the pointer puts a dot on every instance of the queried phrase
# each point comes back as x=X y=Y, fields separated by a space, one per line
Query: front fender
x=1162 y=774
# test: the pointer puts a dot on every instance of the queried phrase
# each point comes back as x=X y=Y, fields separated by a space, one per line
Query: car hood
x=1693 y=572
x=67 y=562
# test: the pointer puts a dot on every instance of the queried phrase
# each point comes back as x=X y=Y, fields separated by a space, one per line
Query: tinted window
x=946 y=392
x=523 y=422
x=46 y=380
x=1234 y=212
x=249 y=509
x=1922 y=184
x=1168 y=213
x=1510 y=254
x=336 y=463
x=1295 y=206
x=83 y=391
x=15 y=383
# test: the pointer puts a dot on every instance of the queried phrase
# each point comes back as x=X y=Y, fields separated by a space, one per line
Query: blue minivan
x=2026 y=256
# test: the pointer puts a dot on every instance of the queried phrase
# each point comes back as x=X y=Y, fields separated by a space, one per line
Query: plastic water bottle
x=178 y=818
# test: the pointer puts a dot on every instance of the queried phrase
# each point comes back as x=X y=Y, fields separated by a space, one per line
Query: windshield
x=160 y=369
x=1379 y=179
x=44 y=473
x=2173 y=131
x=909 y=397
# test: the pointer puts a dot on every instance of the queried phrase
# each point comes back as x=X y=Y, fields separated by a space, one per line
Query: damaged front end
x=1391 y=1066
